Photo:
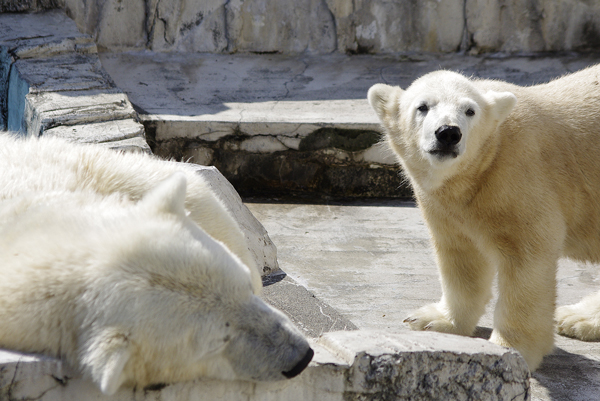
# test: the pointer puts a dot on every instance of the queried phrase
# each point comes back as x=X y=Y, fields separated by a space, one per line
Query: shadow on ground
x=563 y=375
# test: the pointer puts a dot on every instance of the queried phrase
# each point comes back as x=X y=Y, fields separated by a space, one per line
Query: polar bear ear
x=502 y=103
x=106 y=358
x=168 y=196
x=379 y=97
x=112 y=375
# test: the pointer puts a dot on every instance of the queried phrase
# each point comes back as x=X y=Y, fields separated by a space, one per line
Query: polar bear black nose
x=448 y=135
x=295 y=371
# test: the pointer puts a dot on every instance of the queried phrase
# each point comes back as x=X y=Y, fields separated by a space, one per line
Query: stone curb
x=51 y=78
x=261 y=246
x=348 y=365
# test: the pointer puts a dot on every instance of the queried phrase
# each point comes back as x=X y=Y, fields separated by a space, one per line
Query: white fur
x=523 y=190
x=130 y=270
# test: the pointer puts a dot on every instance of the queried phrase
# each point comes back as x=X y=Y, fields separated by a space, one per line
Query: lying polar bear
x=130 y=271
x=508 y=180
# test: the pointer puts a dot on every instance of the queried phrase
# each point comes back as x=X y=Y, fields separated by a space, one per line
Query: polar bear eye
x=423 y=108
x=470 y=112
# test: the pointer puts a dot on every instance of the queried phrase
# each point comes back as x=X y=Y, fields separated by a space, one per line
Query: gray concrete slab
x=309 y=313
x=372 y=261
x=54 y=82
x=277 y=92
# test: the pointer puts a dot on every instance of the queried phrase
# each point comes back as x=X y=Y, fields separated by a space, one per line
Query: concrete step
x=277 y=125
x=52 y=82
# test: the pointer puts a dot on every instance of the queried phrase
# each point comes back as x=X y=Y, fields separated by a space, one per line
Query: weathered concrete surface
x=372 y=261
x=355 y=365
x=102 y=132
x=276 y=124
x=261 y=247
x=311 y=315
x=427 y=366
x=326 y=26
x=51 y=78
x=532 y=26
x=27 y=5
x=377 y=27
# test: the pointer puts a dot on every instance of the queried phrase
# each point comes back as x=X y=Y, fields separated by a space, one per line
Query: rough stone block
x=189 y=26
x=123 y=135
x=427 y=366
x=38 y=35
x=109 y=131
x=65 y=72
x=137 y=144
x=380 y=26
x=285 y=26
x=49 y=109
x=261 y=246
x=532 y=26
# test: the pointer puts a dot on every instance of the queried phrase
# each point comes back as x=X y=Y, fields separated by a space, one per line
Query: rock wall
x=325 y=26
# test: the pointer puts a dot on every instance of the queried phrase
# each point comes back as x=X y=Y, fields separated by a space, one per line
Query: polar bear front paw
x=430 y=318
x=580 y=321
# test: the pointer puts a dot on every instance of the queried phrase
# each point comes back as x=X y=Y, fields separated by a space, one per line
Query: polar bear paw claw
x=578 y=322
x=430 y=318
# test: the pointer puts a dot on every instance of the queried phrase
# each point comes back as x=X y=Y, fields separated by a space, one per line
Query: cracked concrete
x=51 y=80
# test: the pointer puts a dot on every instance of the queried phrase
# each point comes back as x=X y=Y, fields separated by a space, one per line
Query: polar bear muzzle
x=296 y=370
x=447 y=136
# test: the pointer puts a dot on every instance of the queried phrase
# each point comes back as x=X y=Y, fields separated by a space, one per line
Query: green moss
x=346 y=139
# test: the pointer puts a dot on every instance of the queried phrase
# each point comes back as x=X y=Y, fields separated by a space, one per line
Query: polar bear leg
x=466 y=278
x=582 y=320
x=524 y=312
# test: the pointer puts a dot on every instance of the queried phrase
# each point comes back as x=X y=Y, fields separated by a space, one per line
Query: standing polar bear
x=508 y=180
x=130 y=271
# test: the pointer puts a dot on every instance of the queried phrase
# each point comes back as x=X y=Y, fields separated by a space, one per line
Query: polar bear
x=103 y=266
x=508 y=180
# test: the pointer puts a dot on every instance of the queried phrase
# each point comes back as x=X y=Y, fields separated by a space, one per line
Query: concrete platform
x=299 y=125
x=371 y=260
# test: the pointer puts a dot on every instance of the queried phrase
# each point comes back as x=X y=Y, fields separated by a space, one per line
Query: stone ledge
x=348 y=365
x=51 y=77
x=428 y=366
x=259 y=243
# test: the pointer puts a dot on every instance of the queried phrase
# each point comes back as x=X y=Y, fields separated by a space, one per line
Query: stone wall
x=324 y=26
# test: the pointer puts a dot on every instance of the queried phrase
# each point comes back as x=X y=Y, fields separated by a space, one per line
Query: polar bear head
x=165 y=302
x=438 y=123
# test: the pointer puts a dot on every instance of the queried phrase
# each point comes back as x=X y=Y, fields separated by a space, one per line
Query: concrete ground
x=372 y=262
x=369 y=260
